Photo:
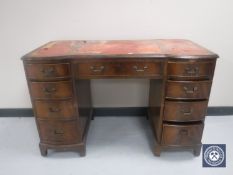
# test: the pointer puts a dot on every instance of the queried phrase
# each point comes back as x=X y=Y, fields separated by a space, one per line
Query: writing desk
x=180 y=73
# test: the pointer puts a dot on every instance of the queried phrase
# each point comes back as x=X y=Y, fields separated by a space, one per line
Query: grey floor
x=115 y=145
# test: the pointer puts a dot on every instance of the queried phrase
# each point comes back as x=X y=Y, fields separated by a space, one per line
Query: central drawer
x=58 y=132
x=119 y=69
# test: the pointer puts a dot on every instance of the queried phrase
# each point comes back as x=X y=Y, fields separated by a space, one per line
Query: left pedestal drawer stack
x=53 y=99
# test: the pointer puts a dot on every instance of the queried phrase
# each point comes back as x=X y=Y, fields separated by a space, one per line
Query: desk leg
x=157 y=150
x=82 y=151
x=85 y=111
x=197 y=150
x=43 y=150
x=92 y=115
x=155 y=110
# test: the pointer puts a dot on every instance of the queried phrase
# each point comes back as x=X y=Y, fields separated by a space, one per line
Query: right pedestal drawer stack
x=187 y=92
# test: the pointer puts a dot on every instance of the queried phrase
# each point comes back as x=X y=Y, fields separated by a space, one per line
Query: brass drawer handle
x=192 y=70
x=190 y=90
x=58 y=132
x=140 y=70
x=54 y=109
x=48 y=72
x=183 y=132
x=186 y=112
x=97 y=69
x=49 y=90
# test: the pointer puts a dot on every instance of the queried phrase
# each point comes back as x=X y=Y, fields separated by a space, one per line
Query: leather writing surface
x=160 y=48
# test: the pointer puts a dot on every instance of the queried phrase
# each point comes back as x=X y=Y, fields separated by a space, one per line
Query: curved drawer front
x=62 y=109
x=47 y=71
x=188 y=89
x=58 y=132
x=185 y=111
x=48 y=90
x=182 y=134
x=189 y=70
x=120 y=69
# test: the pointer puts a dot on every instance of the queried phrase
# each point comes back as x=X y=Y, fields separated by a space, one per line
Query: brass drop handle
x=49 y=90
x=58 y=132
x=137 y=69
x=54 y=109
x=49 y=71
x=184 y=132
x=192 y=70
x=97 y=69
x=190 y=90
x=186 y=112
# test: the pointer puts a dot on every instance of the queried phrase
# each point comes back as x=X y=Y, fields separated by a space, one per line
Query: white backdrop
x=27 y=24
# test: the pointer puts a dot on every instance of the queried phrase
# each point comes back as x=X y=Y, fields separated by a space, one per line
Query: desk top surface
x=172 y=48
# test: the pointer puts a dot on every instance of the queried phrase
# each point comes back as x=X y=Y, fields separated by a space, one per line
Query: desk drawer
x=120 y=69
x=188 y=89
x=47 y=71
x=58 y=132
x=190 y=70
x=62 y=109
x=185 y=111
x=182 y=134
x=48 y=90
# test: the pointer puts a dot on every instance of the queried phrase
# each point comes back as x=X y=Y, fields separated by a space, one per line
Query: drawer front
x=120 y=69
x=185 y=111
x=63 y=109
x=188 y=89
x=197 y=70
x=47 y=90
x=182 y=134
x=47 y=71
x=58 y=132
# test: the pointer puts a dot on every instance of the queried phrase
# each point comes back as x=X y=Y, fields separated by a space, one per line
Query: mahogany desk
x=180 y=73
